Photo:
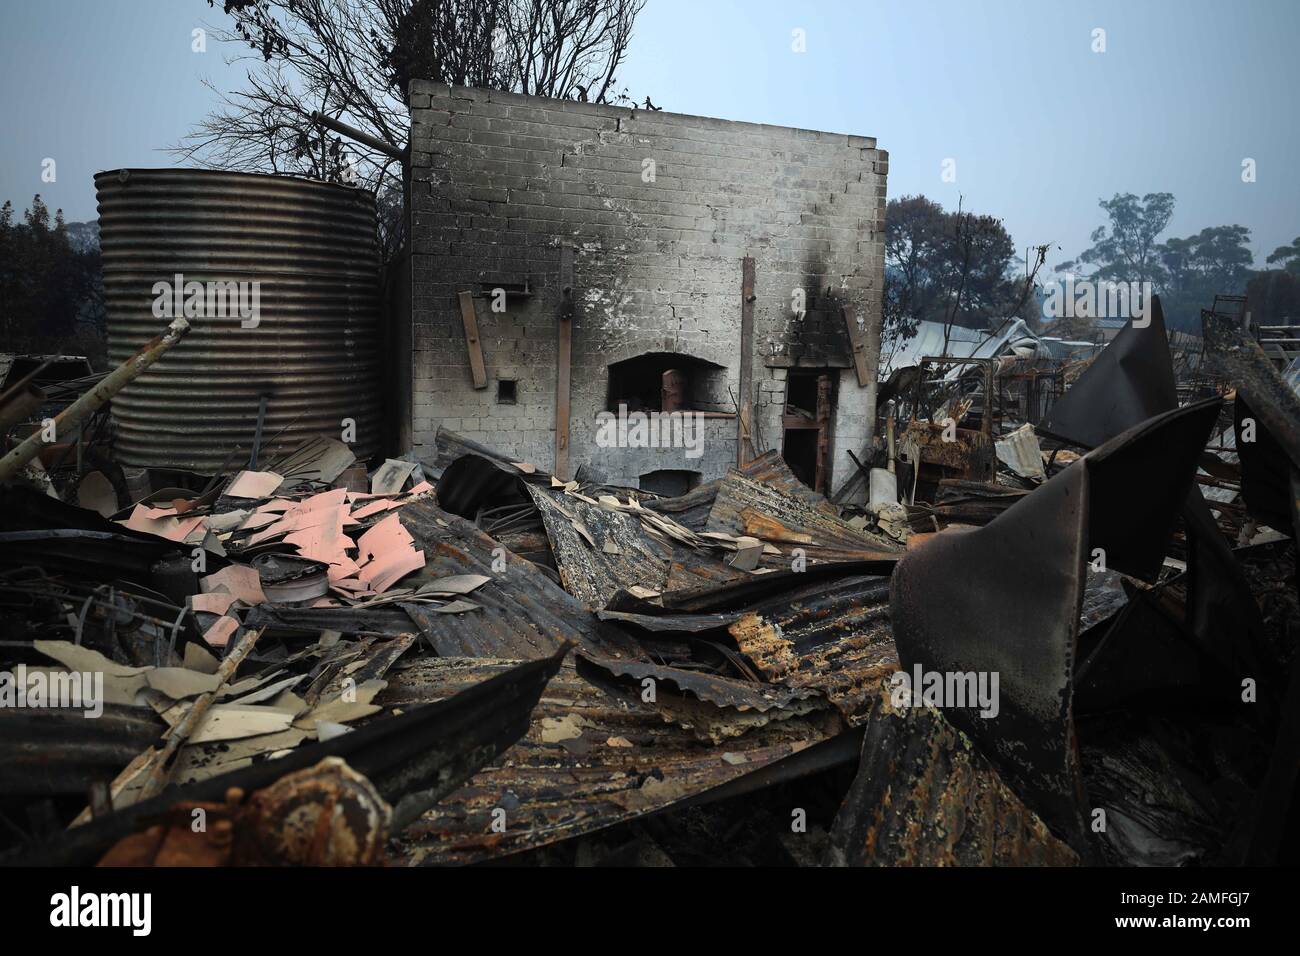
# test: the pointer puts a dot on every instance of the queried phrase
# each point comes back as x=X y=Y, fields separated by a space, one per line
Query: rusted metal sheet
x=973 y=502
x=833 y=637
x=672 y=623
x=588 y=761
x=962 y=453
x=36 y=529
x=413 y=759
x=311 y=248
x=692 y=570
x=599 y=551
x=924 y=796
x=449 y=445
x=379 y=621
x=522 y=614
x=692 y=509
x=745 y=506
x=743 y=595
x=715 y=708
x=1017 y=612
x=772 y=470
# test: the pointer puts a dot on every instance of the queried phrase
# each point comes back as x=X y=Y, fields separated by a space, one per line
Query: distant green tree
x=1217 y=258
x=1186 y=273
x=914 y=229
x=1126 y=250
x=1287 y=257
x=949 y=267
x=49 y=291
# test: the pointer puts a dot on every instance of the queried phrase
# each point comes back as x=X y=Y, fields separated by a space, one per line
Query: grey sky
x=1039 y=125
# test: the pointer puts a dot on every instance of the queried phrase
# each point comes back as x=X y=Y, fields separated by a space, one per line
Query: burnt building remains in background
x=645 y=218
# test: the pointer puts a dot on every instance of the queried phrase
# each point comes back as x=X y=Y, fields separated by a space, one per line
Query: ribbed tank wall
x=311 y=249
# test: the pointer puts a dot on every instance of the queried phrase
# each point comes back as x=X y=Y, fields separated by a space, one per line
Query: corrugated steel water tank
x=310 y=247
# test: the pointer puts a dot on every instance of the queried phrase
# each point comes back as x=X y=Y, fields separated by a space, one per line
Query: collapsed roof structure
x=275 y=647
x=980 y=598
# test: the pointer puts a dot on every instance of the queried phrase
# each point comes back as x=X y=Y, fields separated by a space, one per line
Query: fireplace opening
x=669 y=482
x=668 y=382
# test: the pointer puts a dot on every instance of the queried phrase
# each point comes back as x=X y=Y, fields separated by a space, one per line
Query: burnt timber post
x=745 y=410
x=564 y=361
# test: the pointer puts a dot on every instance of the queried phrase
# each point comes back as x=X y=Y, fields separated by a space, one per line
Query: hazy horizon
x=1040 y=126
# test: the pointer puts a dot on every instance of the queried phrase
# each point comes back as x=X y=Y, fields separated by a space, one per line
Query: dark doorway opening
x=806 y=425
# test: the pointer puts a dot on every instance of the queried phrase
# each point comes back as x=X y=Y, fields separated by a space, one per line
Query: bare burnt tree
x=352 y=60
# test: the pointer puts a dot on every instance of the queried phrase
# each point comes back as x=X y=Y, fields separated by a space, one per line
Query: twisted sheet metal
x=591 y=760
x=623 y=554
x=312 y=248
x=1022 y=580
x=791 y=520
x=522 y=614
x=414 y=759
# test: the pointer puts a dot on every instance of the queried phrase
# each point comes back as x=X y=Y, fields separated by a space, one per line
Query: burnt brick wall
x=499 y=180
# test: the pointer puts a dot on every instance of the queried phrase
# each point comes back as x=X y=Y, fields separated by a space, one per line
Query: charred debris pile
x=465 y=660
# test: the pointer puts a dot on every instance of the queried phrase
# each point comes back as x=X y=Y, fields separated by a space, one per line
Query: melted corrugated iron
x=522 y=614
x=599 y=551
x=830 y=636
x=923 y=796
x=472 y=482
x=1130 y=381
x=745 y=506
x=588 y=761
x=714 y=707
x=56 y=750
x=690 y=510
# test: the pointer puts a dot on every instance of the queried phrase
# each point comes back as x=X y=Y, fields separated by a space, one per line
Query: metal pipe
x=388 y=149
x=83 y=407
x=160 y=769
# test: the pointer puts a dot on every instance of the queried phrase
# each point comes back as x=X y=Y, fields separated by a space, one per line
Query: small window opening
x=506 y=392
